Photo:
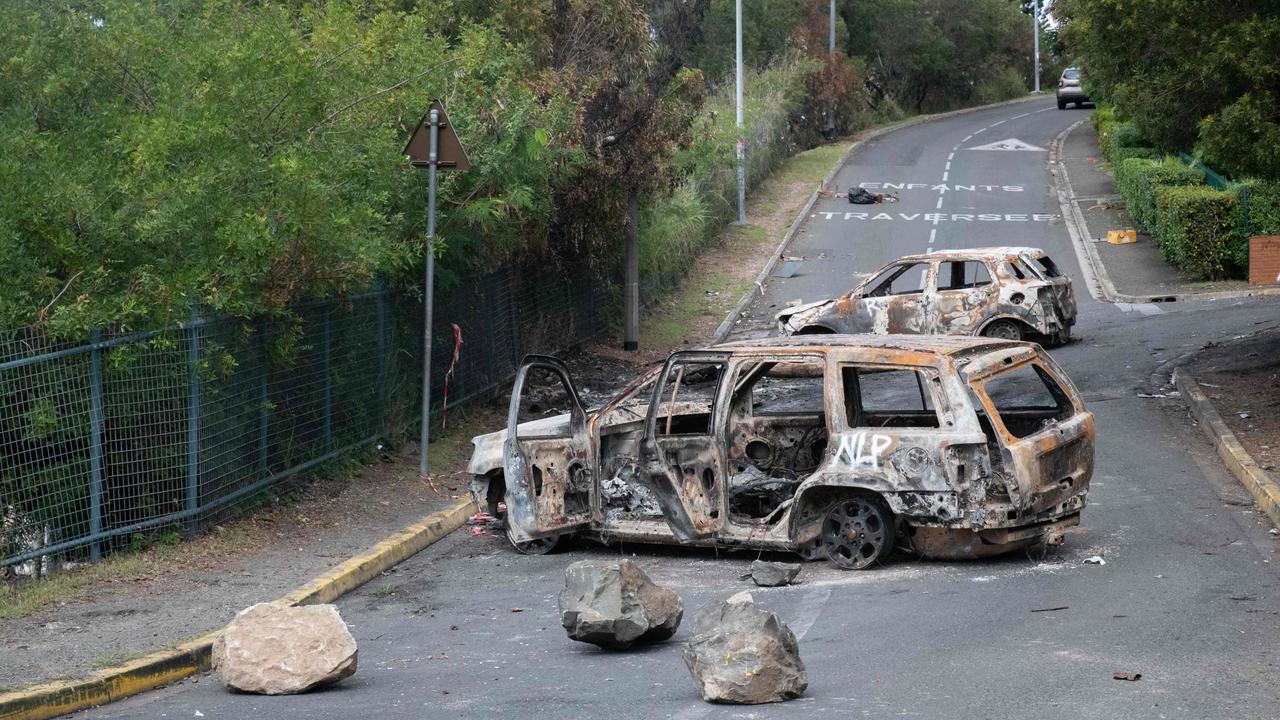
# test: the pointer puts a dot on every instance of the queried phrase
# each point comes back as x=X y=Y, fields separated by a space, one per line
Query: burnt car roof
x=932 y=344
x=992 y=253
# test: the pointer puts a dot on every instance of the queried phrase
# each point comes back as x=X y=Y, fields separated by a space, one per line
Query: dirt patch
x=1249 y=401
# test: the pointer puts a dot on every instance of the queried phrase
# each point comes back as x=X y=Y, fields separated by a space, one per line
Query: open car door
x=682 y=450
x=547 y=463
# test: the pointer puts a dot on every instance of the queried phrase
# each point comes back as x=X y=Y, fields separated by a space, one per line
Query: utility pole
x=1035 y=29
x=831 y=36
x=742 y=142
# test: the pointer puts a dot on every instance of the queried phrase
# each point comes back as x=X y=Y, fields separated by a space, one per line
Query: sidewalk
x=132 y=604
x=1136 y=269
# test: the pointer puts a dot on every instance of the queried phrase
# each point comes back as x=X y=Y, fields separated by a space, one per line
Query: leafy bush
x=1263 y=216
x=1195 y=230
x=1138 y=179
x=1117 y=136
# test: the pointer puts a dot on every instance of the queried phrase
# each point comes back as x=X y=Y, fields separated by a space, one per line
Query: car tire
x=539 y=546
x=1003 y=330
x=1062 y=105
x=858 y=532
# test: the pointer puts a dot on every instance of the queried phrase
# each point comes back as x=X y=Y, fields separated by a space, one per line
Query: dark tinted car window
x=1071 y=74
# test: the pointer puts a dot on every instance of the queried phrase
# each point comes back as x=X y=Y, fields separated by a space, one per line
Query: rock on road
x=1187 y=597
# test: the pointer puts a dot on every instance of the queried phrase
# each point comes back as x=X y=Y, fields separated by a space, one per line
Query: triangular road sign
x=450 y=154
x=1013 y=144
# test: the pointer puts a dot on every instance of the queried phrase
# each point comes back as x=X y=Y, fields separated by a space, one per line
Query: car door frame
x=884 y=304
x=977 y=315
x=532 y=511
x=675 y=467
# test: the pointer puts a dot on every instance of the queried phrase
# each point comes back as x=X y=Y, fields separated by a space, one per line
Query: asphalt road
x=1187 y=597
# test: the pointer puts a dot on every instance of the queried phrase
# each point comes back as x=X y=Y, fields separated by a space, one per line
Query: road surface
x=1188 y=595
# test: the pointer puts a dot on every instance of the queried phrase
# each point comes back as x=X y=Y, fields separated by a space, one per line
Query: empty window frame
x=905 y=279
x=1027 y=399
x=687 y=399
x=963 y=274
x=887 y=397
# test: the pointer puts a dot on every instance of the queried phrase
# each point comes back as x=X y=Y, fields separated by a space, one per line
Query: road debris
x=1095 y=560
x=1052 y=609
x=277 y=650
x=1130 y=676
x=773 y=574
x=613 y=605
x=743 y=654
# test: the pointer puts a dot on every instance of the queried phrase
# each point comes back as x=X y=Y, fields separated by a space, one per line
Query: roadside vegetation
x=244 y=155
x=1206 y=94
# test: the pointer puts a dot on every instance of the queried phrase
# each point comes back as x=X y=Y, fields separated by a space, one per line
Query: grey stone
x=279 y=650
x=743 y=654
x=614 y=604
x=773 y=574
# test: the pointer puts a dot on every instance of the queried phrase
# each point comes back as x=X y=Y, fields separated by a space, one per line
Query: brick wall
x=1264 y=260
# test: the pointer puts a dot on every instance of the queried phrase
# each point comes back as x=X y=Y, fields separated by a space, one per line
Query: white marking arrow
x=1013 y=144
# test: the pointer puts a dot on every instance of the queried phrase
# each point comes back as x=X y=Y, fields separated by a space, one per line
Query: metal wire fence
x=106 y=442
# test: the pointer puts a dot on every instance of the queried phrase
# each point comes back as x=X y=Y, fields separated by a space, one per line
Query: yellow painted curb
x=1254 y=479
x=161 y=668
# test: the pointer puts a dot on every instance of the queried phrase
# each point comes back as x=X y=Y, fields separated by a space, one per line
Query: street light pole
x=1035 y=25
x=742 y=143
x=831 y=35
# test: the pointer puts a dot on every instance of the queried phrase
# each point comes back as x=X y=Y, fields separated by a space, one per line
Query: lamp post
x=742 y=143
x=1035 y=29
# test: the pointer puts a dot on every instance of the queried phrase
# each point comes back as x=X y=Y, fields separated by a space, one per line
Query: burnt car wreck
x=1011 y=293
x=840 y=447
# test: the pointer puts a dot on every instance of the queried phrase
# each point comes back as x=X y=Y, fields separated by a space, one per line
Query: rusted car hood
x=487 y=454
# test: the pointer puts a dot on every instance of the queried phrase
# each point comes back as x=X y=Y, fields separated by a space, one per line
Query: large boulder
x=742 y=653
x=614 y=604
x=773 y=574
x=278 y=650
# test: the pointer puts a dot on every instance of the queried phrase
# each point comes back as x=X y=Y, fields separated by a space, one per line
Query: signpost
x=435 y=146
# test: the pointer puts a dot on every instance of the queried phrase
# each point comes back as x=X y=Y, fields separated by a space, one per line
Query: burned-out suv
x=1010 y=293
x=842 y=447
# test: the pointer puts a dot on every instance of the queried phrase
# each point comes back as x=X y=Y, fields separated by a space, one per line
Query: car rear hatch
x=1057 y=298
x=1046 y=436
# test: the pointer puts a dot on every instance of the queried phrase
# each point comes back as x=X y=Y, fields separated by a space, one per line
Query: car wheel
x=1003 y=330
x=1063 y=337
x=858 y=532
x=1062 y=105
x=537 y=546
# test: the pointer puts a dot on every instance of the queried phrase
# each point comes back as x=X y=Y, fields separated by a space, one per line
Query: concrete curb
x=1254 y=479
x=161 y=668
x=726 y=325
x=1097 y=279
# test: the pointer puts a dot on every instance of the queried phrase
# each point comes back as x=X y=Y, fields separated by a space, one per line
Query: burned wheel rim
x=1003 y=330
x=537 y=546
x=857 y=533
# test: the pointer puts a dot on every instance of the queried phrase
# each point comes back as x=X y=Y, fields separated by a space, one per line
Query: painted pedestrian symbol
x=1013 y=144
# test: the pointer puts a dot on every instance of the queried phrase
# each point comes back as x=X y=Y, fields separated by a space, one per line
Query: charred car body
x=1004 y=292
x=829 y=446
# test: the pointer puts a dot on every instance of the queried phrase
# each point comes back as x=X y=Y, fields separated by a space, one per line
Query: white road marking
x=1010 y=144
x=1147 y=309
x=939 y=205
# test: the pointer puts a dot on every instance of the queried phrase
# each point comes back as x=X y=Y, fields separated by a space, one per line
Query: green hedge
x=1196 y=229
x=1137 y=180
x=1263 y=206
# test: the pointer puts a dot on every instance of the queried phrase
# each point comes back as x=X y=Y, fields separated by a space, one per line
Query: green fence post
x=382 y=362
x=328 y=380
x=95 y=447
x=193 y=421
x=264 y=402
